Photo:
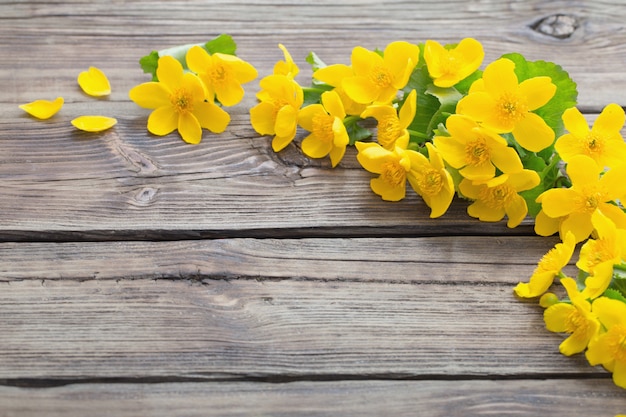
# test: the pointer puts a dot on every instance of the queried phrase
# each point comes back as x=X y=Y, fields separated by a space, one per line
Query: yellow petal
x=538 y=91
x=43 y=109
x=94 y=123
x=94 y=82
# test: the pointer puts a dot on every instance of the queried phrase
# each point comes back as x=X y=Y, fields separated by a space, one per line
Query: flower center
x=593 y=144
x=388 y=131
x=450 y=63
x=323 y=127
x=477 y=152
x=551 y=261
x=380 y=76
x=182 y=101
x=497 y=197
x=219 y=74
x=393 y=173
x=576 y=322
x=589 y=201
x=430 y=182
x=616 y=341
x=511 y=108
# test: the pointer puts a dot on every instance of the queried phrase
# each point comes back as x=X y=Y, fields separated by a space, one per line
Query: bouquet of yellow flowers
x=508 y=139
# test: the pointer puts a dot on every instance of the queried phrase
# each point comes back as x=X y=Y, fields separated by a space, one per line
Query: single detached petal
x=94 y=123
x=43 y=109
x=94 y=82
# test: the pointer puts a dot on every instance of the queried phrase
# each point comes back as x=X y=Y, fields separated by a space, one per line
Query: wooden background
x=141 y=276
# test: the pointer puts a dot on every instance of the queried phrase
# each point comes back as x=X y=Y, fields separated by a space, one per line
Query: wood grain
x=143 y=328
x=593 y=397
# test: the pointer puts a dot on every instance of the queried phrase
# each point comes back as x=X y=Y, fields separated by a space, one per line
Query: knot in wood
x=560 y=26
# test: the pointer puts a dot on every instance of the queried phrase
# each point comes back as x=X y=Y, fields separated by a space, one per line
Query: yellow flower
x=589 y=192
x=475 y=150
x=609 y=348
x=287 y=67
x=392 y=125
x=277 y=113
x=575 y=318
x=502 y=104
x=597 y=256
x=43 y=109
x=221 y=74
x=179 y=102
x=93 y=123
x=328 y=133
x=376 y=78
x=334 y=75
x=499 y=196
x=393 y=167
x=603 y=142
x=431 y=180
x=548 y=268
x=94 y=82
x=449 y=66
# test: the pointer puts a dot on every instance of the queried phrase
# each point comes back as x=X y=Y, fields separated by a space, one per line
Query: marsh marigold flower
x=277 y=113
x=287 y=67
x=392 y=167
x=603 y=142
x=475 y=150
x=221 y=74
x=334 y=75
x=589 y=192
x=499 y=196
x=430 y=179
x=43 y=109
x=597 y=256
x=178 y=100
x=392 y=124
x=378 y=78
x=608 y=349
x=548 y=268
x=499 y=102
x=328 y=133
x=449 y=66
x=574 y=318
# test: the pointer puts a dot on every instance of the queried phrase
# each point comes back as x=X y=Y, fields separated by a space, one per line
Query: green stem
x=417 y=134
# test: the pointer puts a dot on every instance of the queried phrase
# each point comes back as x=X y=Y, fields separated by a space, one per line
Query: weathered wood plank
x=557 y=398
x=148 y=328
x=128 y=30
x=481 y=259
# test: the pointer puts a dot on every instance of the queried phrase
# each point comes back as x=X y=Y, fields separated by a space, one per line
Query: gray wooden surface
x=141 y=276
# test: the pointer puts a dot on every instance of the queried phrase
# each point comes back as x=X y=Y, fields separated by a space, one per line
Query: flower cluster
x=441 y=124
x=189 y=86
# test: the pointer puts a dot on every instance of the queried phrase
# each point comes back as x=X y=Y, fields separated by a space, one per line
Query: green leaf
x=223 y=44
x=427 y=104
x=619 y=284
x=355 y=131
x=548 y=175
x=315 y=61
x=565 y=97
x=149 y=64
x=313 y=95
x=614 y=295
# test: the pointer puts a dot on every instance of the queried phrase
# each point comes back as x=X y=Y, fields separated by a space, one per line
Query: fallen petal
x=43 y=109
x=94 y=123
x=94 y=82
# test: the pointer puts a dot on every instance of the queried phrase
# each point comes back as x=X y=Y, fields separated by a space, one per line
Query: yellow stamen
x=616 y=341
x=430 y=182
x=380 y=76
x=323 y=127
x=477 y=152
x=497 y=197
x=182 y=101
x=220 y=74
x=511 y=108
x=576 y=322
x=393 y=174
x=593 y=144
x=388 y=131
